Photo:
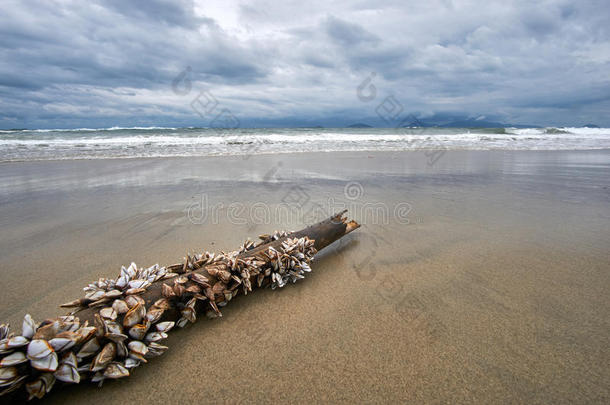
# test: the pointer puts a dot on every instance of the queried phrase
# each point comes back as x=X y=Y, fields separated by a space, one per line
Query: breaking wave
x=126 y=142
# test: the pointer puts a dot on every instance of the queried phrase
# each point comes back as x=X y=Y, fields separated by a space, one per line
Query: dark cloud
x=179 y=13
x=105 y=63
x=348 y=34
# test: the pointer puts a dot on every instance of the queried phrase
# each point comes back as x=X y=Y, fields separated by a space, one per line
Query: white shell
x=116 y=370
x=104 y=357
x=14 y=342
x=85 y=333
x=71 y=326
x=29 y=327
x=70 y=359
x=113 y=294
x=134 y=316
x=4 y=329
x=13 y=359
x=154 y=314
x=113 y=327
x=189 y=313
x=39 y=349
x=138 y=331
x=8 y=373
x=108 y=313
x=95 y=295
x=131 y=363
x=165 y=326
x=156 y=336
x=88 y=349
x=139 y=283
x=155 y=349
x=67 y=373
x=120 y=306
x=137 y=347
x=122 y=281
x=132 y=270
x=48 y=363
x=60 y=344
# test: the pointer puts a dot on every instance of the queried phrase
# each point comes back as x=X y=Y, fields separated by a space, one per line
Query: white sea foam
x=86 y=143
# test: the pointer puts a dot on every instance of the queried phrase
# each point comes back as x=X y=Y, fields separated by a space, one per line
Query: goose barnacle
x=115 y=370
x=29 y=327
x=13 y=359
x=104 y=357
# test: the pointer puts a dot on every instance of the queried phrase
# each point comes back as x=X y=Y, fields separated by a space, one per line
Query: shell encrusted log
x=123 y=321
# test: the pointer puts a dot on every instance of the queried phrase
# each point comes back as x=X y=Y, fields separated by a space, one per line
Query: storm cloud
x=140 y=63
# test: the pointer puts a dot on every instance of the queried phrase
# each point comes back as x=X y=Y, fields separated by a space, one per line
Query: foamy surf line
x=138 y=142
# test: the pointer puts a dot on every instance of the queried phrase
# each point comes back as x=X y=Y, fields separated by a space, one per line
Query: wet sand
x=480 y=278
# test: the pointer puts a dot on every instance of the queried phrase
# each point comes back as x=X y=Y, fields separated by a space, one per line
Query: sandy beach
x=482 y=277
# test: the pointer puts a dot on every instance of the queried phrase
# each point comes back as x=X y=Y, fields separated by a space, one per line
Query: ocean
x=118 y=142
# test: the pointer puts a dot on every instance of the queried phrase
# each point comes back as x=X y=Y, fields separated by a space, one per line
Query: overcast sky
x=105 y=63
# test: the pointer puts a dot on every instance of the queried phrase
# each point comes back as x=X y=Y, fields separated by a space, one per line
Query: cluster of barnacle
x=291 y=262
x=125 y=332
x=59 y=349
x=67 y=350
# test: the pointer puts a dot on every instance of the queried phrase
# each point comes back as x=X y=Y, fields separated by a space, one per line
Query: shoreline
x=304 y=152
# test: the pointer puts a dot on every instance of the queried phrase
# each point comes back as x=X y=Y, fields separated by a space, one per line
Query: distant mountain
x=469 y=123
x=462 y=122
x=359 y=125
x=466 y=123
x=419 y=124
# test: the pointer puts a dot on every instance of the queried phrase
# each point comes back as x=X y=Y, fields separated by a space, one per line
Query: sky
x=72 y=64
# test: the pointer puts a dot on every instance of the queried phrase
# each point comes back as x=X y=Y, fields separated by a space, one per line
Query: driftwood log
x=323 y=234
x=119 y=323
